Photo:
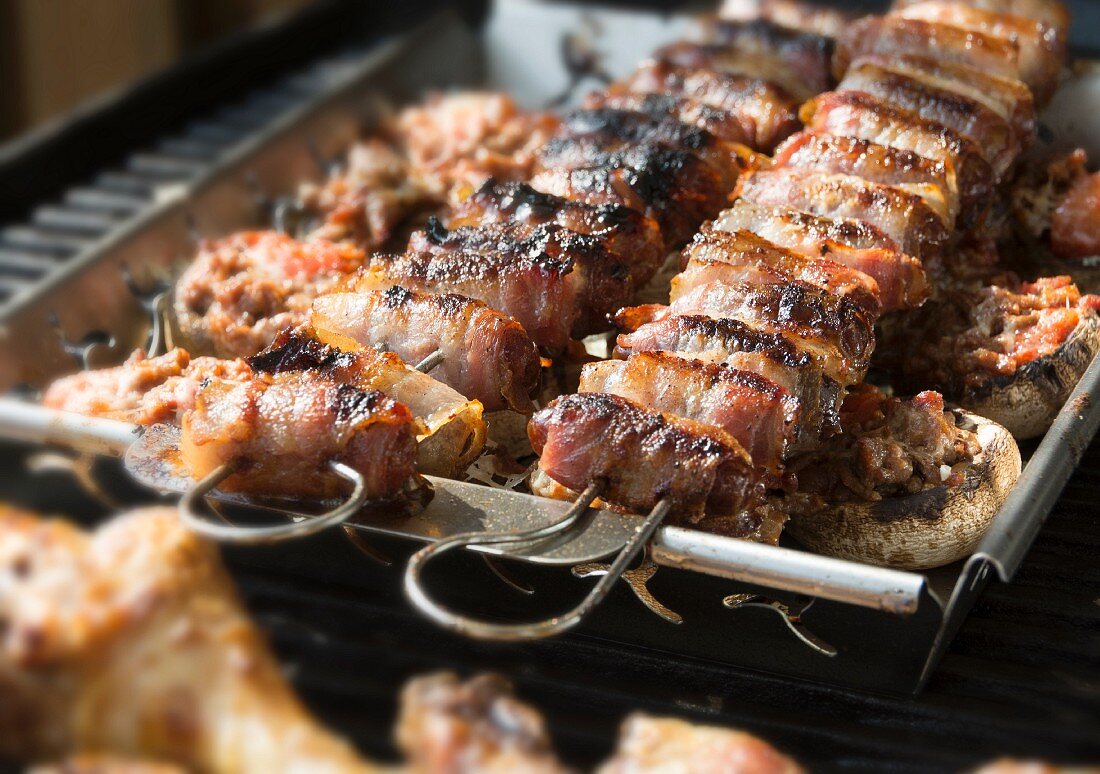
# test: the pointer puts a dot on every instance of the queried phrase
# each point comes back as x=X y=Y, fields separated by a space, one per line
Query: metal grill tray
x=886 y=628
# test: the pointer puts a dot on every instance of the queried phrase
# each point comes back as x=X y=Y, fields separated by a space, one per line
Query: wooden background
x=57 y=54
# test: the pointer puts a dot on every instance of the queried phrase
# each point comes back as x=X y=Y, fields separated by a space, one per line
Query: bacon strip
x=1042 y=49
x=764 y=262
x=628 y=235
x=760 y=414
x=773 y=356
x=853 y=243
x=901 y=215
x=737 y=108
x=641 y=457
x=487 y=356
x=855 y=114
x=921 y=94
x=818 y=152
x=282 y=426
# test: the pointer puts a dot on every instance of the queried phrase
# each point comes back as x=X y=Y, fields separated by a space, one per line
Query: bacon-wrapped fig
x=762 y=416
x=640 y=457
x=487 y=356
x=281 y=430
x=628 y=235
x=854 y=243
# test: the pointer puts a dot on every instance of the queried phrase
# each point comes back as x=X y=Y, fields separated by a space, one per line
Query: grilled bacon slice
x=738 y=108
x=802 y=56
x=835 y=331
x=819 y=152
x=487 y=355
x=242 y=290
x=143 y=390
x=627 y=234
x=1042 y=48
x=792 y=14
x=1009 y=98
x=896 y=36
x=451 y=428
x=762 y=416
x=603 y=279
x=921 y=94
x=900 y=278
x=1052 y=13
x=854 y=114
x=678 y=175
x=282 y=429
x=640 y=457
x=772 y=355
x=902 y=216
x=764 y=262
x=795 y=60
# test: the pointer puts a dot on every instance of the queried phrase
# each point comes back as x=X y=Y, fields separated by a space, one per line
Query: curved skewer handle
x=300 y=526
x=480 y=629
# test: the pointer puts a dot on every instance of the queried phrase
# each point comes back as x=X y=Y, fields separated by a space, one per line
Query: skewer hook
x=486 y=630
x=300 y=527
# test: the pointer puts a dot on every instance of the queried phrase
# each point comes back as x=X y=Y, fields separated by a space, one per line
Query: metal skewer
x=473 y=627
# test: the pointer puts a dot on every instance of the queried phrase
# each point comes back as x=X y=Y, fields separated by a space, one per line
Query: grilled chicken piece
x=142 y=390
x=628 y=235
x=370 y=198
x=764 y=262
x=640 y=457
x=901 y=215
x=834 y=330
x=1042 y=48
x=131 y=641
x=858 y=245
x=772 y=355
x=674 y=746
x=762 y=416
x=731 y=106
x=926 y=96
x=487 y=355
x=679 y=175
x=816 y=152
x=895 y=36
x=604 y=280
x=305 y=405
x=852 y=114
x=458 y=141
x=448 y=726
x=242 y=290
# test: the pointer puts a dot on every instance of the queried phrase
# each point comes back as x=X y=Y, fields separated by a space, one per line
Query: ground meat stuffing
x=963 y=339
x=242 y=290
x=889 y=447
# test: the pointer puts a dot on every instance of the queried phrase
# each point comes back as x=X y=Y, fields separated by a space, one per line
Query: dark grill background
x=1021 y=678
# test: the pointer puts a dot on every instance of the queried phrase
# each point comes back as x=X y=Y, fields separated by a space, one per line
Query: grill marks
x=300 y=406
x=786 y=284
